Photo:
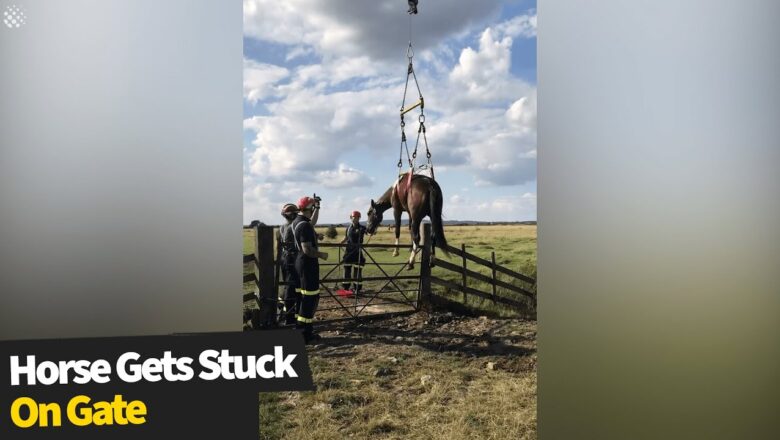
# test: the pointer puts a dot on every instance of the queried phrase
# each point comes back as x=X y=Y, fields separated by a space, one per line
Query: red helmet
x=305 y=202
x=355 y=214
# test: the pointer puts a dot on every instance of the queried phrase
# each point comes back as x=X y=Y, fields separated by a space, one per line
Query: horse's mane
x=384 y=199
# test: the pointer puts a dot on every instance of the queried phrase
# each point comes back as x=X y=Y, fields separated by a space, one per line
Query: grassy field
x=430 y=375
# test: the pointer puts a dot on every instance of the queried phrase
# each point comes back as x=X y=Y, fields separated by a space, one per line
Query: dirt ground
x=429 y=375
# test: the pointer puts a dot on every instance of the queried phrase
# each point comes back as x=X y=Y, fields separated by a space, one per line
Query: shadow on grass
x=428 y=338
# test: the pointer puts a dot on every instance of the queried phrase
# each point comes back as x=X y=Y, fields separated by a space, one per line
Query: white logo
x=14 y=17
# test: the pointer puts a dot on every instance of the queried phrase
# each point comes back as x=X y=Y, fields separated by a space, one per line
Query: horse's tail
x=437 y=227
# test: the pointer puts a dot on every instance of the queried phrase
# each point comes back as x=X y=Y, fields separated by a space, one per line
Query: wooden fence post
x=277 y=259
x=463 y=249
x=493 y=267
x=264 y=254
x=425 y=265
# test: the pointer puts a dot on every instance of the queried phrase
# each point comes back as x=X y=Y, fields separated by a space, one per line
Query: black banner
x=128 y=387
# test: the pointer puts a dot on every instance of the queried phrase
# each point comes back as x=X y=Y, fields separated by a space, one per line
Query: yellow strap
x=304 y=320
x=310 y=292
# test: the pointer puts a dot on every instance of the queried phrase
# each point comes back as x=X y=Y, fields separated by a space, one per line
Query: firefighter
x=307 y=264
x=292 y=294
x=353 y=255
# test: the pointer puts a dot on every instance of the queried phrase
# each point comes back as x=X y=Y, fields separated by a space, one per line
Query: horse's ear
x=373 y=205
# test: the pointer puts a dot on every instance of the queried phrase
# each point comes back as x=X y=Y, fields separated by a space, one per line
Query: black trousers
x=353 y=260
x=291 y=296
x=305 y=317
x=308 y=270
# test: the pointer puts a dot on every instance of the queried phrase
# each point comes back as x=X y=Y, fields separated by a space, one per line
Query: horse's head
x=374 y=218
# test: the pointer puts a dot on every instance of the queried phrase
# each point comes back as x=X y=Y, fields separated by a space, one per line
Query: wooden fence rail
x=463 y=254
x=493 y=280
x=478 y=293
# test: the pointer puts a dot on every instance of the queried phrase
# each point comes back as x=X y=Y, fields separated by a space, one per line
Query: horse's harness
x=420 y=118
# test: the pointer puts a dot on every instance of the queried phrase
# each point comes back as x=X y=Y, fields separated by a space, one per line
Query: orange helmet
x=305 y=202
x=355 y=214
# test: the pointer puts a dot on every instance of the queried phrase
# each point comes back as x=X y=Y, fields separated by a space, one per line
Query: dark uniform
x=292 y=292
x=353 y=256
x=308 y=269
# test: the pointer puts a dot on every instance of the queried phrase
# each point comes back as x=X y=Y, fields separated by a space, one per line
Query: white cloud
x=520 y=26
x=260 y=80
x=510 y=203
x=263 y=202
x=361 y=28
x=522 y=113
x=336 y=71
x=310 y=131
x=457 y=199
x=499 y=208
x=343 y=109
x=297 y=52
x=343 y=177
x=501 y=144
x=482 y=76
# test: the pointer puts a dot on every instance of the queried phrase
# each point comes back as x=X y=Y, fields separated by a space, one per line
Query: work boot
x=290 y=319
x=311 y=338
x=309 y=335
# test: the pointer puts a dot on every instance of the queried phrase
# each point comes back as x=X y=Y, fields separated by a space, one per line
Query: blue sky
x=323 y=83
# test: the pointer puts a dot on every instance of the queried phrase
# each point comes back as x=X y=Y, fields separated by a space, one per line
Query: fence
x=514 y=296
x=388 y=289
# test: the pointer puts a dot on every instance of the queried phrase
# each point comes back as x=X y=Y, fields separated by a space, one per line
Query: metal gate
x=388 y=286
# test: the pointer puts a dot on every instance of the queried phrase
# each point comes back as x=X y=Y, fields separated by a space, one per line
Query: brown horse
x=418 y=195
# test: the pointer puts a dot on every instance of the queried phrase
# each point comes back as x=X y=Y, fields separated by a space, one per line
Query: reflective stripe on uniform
x=304 y=320
x=297 y=290
x=310 y=292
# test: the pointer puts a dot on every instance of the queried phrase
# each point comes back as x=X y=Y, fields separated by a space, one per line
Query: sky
x=323 y=85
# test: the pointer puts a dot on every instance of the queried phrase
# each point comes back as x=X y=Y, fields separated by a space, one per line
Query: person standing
x=353 y=255
x=307 y=264
x=292 y=293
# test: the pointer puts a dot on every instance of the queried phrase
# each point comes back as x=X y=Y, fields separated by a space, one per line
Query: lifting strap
x=412 y=159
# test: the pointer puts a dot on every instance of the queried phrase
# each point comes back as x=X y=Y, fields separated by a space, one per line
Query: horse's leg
x=415 y=233
x=433 y=246
x=433 y=253
x=397 y=214
x=431 y=236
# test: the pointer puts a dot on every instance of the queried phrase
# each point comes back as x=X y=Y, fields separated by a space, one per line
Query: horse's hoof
x=410 y=267
x=395 y=254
